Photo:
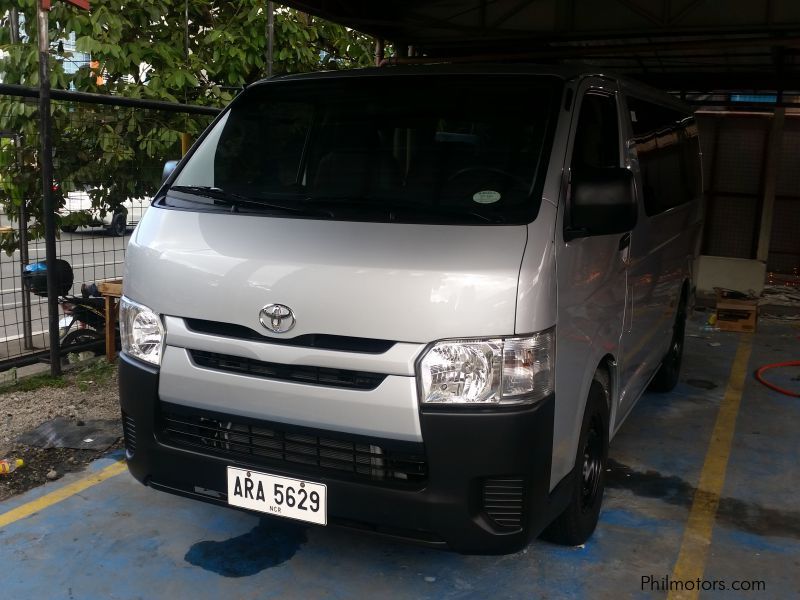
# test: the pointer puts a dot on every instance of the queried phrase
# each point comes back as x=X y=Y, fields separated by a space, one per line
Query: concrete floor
x=118 y=539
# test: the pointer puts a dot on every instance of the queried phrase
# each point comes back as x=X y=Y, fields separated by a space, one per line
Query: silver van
x=413 y=301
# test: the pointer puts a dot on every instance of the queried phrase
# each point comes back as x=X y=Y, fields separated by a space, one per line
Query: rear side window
x=668 y=149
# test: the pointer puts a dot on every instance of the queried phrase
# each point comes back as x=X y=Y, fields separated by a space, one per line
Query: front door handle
x=624 y=241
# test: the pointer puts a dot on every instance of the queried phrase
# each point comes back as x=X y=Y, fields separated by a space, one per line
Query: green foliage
x=140 y=52
x=32 y=383
x=97 y=372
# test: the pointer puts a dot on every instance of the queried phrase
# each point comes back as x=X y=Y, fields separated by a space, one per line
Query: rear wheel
x=119 y=225
x=578 y=521
x=668 y=373
x=69 y=228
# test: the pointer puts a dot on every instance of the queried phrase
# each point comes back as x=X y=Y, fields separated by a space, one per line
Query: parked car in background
x=116 y=222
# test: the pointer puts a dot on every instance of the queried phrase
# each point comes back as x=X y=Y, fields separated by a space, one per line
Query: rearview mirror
x=169 y=167
x=603 y=202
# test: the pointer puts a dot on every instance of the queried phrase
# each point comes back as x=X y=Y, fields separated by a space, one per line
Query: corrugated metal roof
x=677 y=44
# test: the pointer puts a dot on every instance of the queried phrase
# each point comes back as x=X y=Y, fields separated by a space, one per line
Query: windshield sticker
x=486 y=197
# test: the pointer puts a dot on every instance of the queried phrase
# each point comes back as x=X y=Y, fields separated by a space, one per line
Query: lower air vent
x=298 y=449
x=503 y=501
x=129 y=434
x=343 y=378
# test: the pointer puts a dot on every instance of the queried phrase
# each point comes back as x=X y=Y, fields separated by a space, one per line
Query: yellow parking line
x=697 y=535
x=60 y=494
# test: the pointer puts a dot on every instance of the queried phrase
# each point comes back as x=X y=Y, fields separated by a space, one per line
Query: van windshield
x=409 y=148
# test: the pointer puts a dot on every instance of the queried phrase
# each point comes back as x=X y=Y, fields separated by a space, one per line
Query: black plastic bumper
x=462 y=451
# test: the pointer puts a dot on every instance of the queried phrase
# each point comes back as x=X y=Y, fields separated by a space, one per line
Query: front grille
x=359 y=380
x=129 y=434
x=503 y=499
x=323 y=341
x=310 y=450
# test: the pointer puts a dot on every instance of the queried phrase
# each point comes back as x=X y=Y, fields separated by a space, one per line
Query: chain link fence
x=108 y=158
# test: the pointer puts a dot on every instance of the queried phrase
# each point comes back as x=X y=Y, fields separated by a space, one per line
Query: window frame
x=690 y=194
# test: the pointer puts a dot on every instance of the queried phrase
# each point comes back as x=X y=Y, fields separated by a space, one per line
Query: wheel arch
x=685 y=299
x=687 y=291
x=607 y=375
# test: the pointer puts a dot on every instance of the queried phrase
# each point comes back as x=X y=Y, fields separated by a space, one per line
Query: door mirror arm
x=573 y=233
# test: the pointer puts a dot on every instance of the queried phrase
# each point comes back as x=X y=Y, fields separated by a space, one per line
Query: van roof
x=563 y=72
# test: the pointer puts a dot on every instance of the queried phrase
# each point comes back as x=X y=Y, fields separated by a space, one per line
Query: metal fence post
x=27 y=326
x=46 y=166
x=270 y=37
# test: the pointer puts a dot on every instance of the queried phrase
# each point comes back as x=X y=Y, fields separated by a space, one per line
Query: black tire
x=119 y=225
x=69 y=228
x=81 y=337
x=669 y=372
x=578 y=521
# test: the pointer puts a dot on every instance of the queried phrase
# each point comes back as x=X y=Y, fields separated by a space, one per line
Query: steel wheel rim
x=592 y=468
x=676 y=351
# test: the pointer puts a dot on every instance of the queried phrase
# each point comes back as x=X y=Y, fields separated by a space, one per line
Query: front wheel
x=578 y=521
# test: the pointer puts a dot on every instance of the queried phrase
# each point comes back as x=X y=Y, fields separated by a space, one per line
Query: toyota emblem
x=278 y=318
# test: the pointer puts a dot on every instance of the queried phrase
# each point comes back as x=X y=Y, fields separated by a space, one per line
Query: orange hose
x=761 y=370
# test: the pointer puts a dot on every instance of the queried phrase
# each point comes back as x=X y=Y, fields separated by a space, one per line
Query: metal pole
x=14 y=15
x=21 y=91
x=380 y=50
x=270 y=37
x=46 y=166
x=185 y=142
x=775 y=140
x=186 y=31
x=27 y=329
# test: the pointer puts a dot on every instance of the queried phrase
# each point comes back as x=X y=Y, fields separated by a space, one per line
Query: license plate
x=278 y=496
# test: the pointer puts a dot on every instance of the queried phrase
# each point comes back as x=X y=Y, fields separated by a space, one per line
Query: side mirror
x=169 y=167
x=603 y=202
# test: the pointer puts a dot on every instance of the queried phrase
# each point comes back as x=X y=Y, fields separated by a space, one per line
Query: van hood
x=399 y=282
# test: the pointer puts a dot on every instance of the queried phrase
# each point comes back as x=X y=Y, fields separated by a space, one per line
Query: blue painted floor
x=121 y=540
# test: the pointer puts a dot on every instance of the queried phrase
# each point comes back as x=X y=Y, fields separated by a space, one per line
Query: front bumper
x=465 y=452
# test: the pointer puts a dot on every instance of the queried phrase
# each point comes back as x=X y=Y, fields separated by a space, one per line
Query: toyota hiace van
x=414 y=301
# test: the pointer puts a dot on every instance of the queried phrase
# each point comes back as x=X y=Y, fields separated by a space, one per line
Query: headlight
x=517 y=370
x=141 y=331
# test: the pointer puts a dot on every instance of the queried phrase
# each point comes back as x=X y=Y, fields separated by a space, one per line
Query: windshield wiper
x=384 y=205
x=235 y=201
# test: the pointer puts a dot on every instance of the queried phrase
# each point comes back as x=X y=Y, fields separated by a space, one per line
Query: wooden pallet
x=111 y=292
